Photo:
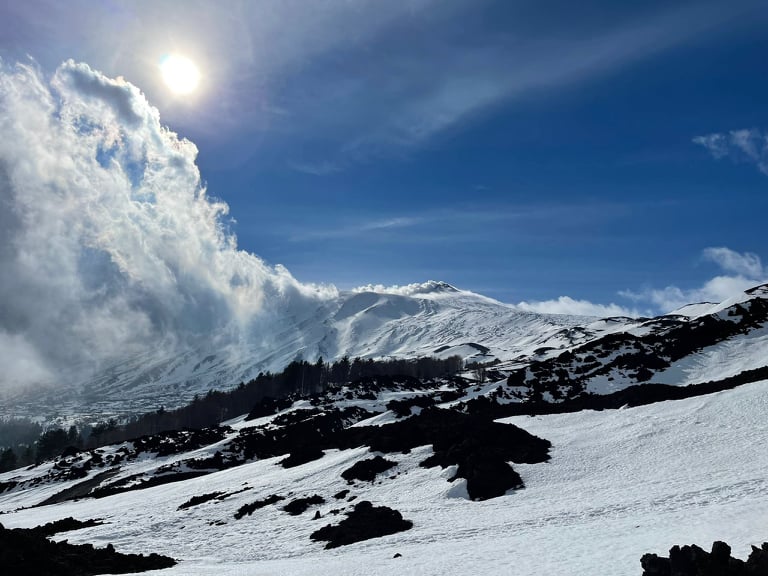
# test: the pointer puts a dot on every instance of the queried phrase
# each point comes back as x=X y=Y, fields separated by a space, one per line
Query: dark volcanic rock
x=179 y=441
x=366 y=521
x=367 y=470
x=195 y=500
x=64 y=525
x=479 y=446
x=249 y=509
x=129 y=483
x=26 y=552
x=666 y=340
x=296 y=507
x=268 y=406
x=694 y=561
x=301 y=455
x=402 y=408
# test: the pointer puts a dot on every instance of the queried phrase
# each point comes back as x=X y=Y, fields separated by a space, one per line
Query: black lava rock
x=367 y=470
x=366 y=521
x=694 y=561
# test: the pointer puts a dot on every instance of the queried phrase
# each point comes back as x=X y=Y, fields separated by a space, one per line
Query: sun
x=180 y=74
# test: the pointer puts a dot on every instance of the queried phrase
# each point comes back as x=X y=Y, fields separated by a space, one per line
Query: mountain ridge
x=521 y=463
x=369 y=322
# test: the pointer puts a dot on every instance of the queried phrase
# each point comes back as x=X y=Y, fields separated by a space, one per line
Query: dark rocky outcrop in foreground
x=366 y=521
x=366 y=470
x=27 y=552
x=480 y=447
x=694 y=561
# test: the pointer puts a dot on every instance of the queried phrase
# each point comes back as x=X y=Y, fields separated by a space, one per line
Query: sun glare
x=180 y=74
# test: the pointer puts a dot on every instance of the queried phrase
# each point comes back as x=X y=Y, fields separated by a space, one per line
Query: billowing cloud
x=109 y=243
x=750 y=146
x=744 y=270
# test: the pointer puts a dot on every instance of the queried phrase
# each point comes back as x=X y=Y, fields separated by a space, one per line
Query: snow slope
x=612 y=354
x=426 y=319
x=561 y=356
x=620 y=483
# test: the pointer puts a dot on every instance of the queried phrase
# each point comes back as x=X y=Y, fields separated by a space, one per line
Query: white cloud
x=109 y=244
x=746 y=271
x=750 y=146
x=423 y=288
x=742 y=263
x=568 y=305
x=561 y=305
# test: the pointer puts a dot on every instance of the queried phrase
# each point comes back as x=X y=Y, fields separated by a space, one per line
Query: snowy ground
x=620 y=483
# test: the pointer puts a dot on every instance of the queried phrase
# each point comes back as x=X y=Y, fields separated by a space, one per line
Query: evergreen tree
x=8 y=460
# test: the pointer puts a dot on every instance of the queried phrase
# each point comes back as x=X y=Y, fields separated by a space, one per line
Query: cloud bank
x=740 y=271
x=568 y=305
x=109 y=244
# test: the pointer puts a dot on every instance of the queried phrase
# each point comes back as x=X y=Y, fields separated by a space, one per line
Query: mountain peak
x=428 y=287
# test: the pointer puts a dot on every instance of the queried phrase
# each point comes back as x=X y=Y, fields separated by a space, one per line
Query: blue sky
x=542 y=152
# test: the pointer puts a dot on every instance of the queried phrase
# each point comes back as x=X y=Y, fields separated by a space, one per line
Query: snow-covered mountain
x=399 y=476
x=456 y=475
x=550 y=356
x=699 y=343
x=429 y=319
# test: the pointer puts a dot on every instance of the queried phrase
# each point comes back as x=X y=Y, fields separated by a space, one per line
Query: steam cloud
x=109 y=245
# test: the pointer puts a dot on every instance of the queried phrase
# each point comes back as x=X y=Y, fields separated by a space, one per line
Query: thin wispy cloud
x=359 y=79
x=744 y=146
x=449 y=84
x=321 y=168
x=464 y=223
x=357 y=229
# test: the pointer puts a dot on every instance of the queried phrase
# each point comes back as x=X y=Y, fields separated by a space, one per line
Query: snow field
x=620 y=483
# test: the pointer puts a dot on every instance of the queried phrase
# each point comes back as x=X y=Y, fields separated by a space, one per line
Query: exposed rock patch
x=249 y=509
x=27 y=552
x=366 y=470
x=694 y=561
x=196 y=500
x=65 y=525
x=300 y=505
x=366 y=521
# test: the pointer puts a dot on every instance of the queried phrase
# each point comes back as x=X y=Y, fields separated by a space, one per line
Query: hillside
x=581 y=450
x=429 y=319
x=612 y=486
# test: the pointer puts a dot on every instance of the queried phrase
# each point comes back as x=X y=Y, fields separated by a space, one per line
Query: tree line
x=298 y=378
